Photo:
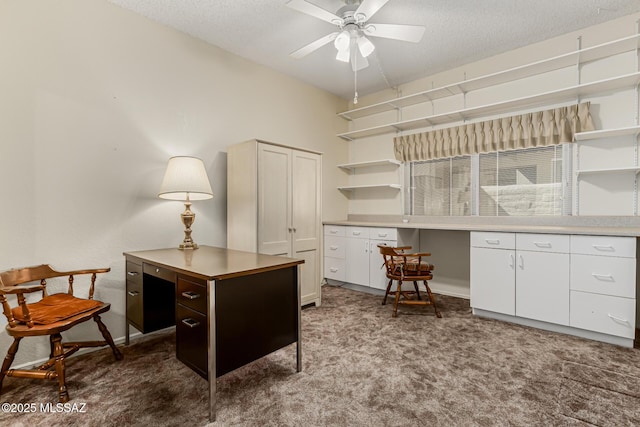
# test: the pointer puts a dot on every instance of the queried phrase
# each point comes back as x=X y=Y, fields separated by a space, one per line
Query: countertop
x=592 y=225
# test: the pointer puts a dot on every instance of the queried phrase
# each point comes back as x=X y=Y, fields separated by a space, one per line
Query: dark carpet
x=361 y=368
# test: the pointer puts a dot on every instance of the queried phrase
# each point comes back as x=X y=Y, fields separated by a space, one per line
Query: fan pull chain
x=355 y=80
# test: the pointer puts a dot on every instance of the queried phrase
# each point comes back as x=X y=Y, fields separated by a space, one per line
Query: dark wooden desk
x=229 y=307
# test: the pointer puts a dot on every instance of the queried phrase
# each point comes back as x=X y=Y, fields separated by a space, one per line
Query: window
x=441 y=187
x=521 y=182
x=506 y=183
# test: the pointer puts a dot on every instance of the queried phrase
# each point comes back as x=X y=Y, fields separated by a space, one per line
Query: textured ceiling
x=457 y=32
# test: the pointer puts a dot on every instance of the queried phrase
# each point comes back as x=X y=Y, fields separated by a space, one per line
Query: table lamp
x=186 y=179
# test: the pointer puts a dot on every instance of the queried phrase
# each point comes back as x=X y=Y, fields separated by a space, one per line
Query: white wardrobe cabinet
x=273 y=206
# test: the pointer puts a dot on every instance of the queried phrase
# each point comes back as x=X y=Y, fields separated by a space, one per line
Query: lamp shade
x=185 y=179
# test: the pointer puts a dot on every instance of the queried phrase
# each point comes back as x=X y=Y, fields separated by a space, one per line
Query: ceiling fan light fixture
x=365 y=46
x=342 y=41
x=343 y=55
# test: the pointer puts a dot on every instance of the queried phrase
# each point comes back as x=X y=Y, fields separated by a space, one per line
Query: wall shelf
x=635 y=169
x=607 y=133
x=351 y=166
x=546 y=98
x=577 y=57
x=370 y=187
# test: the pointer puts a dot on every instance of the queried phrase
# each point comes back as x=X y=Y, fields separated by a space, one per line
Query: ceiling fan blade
x=315 y=11
x=358 y=62
x=407 y=33
x=368 y=8
x=303 y=51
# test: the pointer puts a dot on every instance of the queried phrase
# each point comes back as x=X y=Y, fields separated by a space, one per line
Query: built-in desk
x=229 y=307
x=575 y=275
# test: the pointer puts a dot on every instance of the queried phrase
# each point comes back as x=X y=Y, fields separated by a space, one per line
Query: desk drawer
x=192 y=295
x=604 y=245
x=558 y=243
x=134 y=272
x=135 y=307
x=334 y=230
x=334 y=247
x=603 y=313
x=390 y=234
x=357 y=232
x=604 y=275
x=191 y=339
x=159 y=272
x=495 y=240
x=334 y=269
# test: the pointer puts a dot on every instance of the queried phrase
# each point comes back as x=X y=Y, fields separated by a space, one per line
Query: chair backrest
x=392 y=257
x=23 y=275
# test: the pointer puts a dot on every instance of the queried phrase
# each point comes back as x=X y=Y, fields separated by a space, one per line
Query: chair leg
x=58 y=353
x=384 y=301
x=415 y=285
x=397 y=300
x=107 y=337
x=8 y=360
x=433 y=301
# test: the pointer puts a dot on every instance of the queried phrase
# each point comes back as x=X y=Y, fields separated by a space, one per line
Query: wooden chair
x=50 y=316
x=407 y=267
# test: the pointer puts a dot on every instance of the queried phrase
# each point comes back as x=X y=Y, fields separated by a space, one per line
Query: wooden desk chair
x=407 y=267
x=50 y=316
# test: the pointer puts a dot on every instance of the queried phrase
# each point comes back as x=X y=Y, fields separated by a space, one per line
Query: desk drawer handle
x=542 y=244
x=333 y=231
x=618 y=319
x=333 y=270
x=133 y=293
x=190 y=295
x=492 y=241
x=356 y=233
x=333 y=248
x=190 y=322
x=132 y=273
x=606 y=277
x=607 y=248
x=382 y=234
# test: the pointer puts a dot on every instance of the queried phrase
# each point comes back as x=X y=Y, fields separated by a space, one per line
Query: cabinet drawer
x=334 y=269
x=383 y=233
x=134 y=272
x=334 y=230
x=191 y=339
x=603 y=313
x=135 y=307
x=604 y=275
x=493 y=240
x=604 y=245
x=334 y=247
x=159 y=272
x=192 y=295
x=357 y=232
x=543 y=242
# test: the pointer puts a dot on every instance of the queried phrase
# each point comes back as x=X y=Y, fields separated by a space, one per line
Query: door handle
x=521 y=259
x=366 y=246
x=512 y=261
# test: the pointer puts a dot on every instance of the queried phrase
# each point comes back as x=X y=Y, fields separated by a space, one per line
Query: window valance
x=538 y=129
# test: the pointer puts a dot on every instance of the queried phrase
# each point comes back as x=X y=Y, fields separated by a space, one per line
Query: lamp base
x=188 y=217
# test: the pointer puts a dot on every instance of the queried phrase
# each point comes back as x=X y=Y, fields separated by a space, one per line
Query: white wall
x=94 y=100
x=601 y=195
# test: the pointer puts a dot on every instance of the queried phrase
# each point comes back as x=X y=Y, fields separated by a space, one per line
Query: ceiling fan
x=353 y=28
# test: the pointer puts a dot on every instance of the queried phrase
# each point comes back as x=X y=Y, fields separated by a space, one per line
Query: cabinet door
x=305 y=221
x=274 y=200
x=377 y=272
x=493 y=280
x=357 y=261
x=542 y=286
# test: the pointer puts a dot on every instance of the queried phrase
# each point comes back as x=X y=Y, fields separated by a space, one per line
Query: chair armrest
x=21 y=289
x=91 y=271
x=421 y=254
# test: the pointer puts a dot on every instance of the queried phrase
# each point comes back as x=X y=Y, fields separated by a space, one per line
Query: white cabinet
x=603 y=284
x=273 y=206
x=579 y=284
x=351 y=253
x=542 y=277
x=520 y=274
x=493 y=272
